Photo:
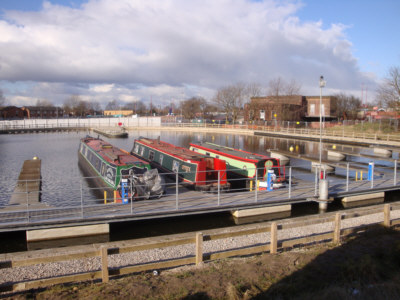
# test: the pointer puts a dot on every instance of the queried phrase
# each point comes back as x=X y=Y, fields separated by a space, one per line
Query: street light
x=322 y=84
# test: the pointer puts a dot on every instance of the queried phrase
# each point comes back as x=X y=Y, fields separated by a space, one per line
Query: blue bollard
x=370 y=171
x=269 y=180
x=124 y=191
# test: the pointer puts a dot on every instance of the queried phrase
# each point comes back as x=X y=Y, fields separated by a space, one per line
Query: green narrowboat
x=114 y=169
x=200 y=171
x=242 y=164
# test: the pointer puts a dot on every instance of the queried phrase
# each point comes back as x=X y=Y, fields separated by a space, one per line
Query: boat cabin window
x=161 y=158
x=141 y=151
x=137 y=149
x=151 y=155
x=217 y=156
x=208 y=153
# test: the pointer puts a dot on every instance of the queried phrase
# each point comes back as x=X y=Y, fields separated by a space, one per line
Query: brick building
x=290 y=108
x=43 y=112
x=284 y=108
x=11 y=112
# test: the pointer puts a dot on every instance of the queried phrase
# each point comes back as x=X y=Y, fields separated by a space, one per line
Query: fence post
x=395 y=173
x=274 y=238
x=177 y=191
x=347 y=177
x=104 y=264
x=336 y=231
x=386 y=215
x=199 y=248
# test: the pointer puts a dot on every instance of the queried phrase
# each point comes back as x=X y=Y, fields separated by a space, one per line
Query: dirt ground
x=364 y=267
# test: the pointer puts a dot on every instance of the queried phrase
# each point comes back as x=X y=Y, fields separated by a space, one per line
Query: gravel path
x=19 y=274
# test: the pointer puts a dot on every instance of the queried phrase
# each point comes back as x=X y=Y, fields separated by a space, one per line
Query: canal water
x=63 y=181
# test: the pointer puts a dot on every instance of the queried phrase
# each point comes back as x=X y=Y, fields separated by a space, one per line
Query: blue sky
x=135 y=50
x=372 y=28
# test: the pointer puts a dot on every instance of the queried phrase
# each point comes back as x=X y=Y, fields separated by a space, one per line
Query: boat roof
x=180 y=152
x=111 y=153
x=231 y=151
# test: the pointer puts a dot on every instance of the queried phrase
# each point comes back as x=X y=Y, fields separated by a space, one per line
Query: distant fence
x=271 y=243
x=81 y=122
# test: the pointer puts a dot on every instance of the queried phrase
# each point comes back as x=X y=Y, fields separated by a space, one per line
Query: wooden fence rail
x=272 y=245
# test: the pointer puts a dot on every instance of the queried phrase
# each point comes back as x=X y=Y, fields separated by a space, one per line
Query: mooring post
x=177 y=190
x=323 y=195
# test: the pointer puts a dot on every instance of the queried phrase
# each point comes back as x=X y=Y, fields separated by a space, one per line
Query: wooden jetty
x=28 y=189
x=112 y=132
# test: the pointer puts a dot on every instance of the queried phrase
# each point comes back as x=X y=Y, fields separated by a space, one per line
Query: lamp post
x=322 y=84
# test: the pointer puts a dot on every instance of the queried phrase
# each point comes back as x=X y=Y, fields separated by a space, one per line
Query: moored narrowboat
x=200 y=171
x=114 y=169
x=242 y=164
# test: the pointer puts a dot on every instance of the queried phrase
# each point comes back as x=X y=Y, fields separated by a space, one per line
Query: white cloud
x=163 y=47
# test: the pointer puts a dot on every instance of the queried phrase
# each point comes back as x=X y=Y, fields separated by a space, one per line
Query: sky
x=166 y=51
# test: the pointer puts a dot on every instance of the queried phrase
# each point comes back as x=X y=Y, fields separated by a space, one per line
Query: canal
x=63 y=182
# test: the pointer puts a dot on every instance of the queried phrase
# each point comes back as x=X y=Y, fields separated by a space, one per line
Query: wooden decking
x=28 y=188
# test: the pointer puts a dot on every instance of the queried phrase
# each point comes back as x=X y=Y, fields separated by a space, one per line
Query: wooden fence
x=272 y=246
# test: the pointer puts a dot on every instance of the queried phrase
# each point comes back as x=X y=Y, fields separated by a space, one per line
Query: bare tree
x=347 y=106
x=389 y=91
x=93 y=108
x=279 y=87
x=193 y=106
x=113 y=105
x=138 y=107
x=75 y=106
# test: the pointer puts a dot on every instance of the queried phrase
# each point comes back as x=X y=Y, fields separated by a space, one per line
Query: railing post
x=316 y=182
x=176 y=191
x=130 y=187
x=274 y=238
x=81 y=200
x=290 y=182
x=199 y=248
x=395 y=173
x=27 y=200
x=104 y=264
x=336 y=231
x=219 y=186
x=347 y=177
x=386 y=215
x=256 y=187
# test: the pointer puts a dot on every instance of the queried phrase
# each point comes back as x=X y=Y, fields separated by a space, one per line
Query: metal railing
x=91 y=203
